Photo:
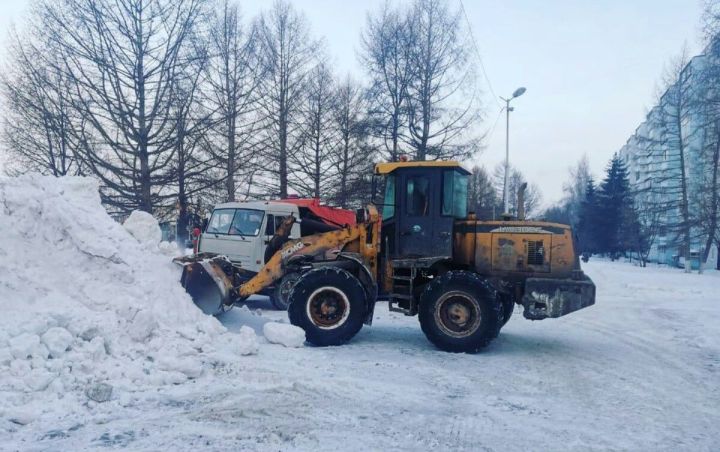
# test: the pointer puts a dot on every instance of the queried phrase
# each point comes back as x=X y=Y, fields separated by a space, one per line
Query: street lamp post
x=517 y=93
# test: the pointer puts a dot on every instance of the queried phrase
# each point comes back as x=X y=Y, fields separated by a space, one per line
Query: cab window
x=270 y=225
x=273 y=223
x=246 y=222
x=388 y=208
x=236 y=222
x=220 y=221
x=454 y=194
x=418 y=196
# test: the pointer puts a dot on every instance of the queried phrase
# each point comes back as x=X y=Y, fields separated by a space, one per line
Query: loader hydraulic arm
x=215 y=284
x=311 y=246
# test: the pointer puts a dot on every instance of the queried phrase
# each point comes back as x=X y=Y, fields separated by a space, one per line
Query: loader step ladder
x=401 y=299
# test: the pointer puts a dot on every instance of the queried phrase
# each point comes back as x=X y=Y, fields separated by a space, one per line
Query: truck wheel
x=508 y=306
x=281 y=294
x=460 y=312
x=329 y=304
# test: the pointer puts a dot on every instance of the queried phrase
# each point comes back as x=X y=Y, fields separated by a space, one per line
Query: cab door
x=420 y=222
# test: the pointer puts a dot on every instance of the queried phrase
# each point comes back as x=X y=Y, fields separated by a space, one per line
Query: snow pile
x=169 y=249
x=84 y=303
x=284 y=334
x=144 y=227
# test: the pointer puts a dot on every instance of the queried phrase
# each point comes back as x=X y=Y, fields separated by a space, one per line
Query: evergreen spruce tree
x=586 y=228
x=615 y=212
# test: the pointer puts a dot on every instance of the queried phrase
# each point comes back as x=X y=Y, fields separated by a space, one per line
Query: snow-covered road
x=640 y=371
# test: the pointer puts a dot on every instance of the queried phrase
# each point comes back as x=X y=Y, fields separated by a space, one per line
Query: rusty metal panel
x=521 y=252
x=552 y=298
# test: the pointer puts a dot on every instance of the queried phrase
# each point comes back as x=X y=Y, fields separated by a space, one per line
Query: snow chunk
x=99 y=392
x=143 y=325
x=144 y=227
x=169 y=249
x=57 y=340
x=27 y=345
x=284 y=334
x=23 y=416
x=246 y=342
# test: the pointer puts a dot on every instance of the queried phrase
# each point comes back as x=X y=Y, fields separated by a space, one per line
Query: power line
x=477 y=51
x=492 y=131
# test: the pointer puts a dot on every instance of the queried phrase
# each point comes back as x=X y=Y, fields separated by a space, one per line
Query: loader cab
x=419 y=202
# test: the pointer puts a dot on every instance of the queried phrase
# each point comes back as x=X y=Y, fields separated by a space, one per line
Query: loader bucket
x=208 y=284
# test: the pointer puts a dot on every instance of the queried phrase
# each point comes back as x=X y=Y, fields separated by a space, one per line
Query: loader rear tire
x=460 y=313
x=329 y=304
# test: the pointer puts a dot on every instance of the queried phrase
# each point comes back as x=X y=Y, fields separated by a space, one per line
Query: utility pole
x=517 y=93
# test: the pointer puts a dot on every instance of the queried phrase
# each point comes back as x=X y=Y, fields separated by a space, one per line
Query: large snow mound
x=83 y=303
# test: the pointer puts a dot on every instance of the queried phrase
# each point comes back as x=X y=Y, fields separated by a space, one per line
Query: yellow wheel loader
x=423 y=253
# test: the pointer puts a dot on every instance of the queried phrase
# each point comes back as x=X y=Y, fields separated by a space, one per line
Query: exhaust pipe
x=521 y=201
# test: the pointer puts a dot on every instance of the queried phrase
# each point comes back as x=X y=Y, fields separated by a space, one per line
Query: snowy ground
x=638 y=371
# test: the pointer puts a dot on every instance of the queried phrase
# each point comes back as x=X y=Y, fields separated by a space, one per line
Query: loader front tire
x=280 y=297
x=329 y=304
x=459 y=312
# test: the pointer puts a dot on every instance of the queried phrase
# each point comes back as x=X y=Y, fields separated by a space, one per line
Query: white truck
x=242 y=230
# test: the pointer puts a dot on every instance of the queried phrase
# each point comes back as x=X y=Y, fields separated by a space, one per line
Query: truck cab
x=242 y=230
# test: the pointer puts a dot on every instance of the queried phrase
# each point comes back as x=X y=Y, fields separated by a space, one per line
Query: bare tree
x=124 y=58
x=287 y=55
x=533 y=196
x=670 y=179
x=386 y=55
x=650 y=225
x=353 y=153
x=481 y=194
x=707 y=195
x=443 y=102
x=39 y=117
x=232 y=79
x=313 y=164
x=188 y=170
x=575 y=187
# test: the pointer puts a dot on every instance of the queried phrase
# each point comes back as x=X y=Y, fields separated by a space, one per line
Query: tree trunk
x=712 y=229
x=343 y=173
x=143 y=156
x=684 y=208
x=230 y=181
x=182 y=203
x=231 y=102
x=282 y=154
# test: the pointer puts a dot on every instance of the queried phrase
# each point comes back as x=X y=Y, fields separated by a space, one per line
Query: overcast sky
x=590 y=67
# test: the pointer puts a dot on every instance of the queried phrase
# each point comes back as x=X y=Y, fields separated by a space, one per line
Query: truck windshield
x=244 y=222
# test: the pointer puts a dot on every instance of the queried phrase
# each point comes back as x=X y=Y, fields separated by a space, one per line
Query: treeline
x=485 y=193
x=173 y=103
x=672 y=199
x=604 y=215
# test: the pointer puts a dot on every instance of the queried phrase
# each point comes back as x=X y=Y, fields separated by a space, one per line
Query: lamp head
x=519 y=92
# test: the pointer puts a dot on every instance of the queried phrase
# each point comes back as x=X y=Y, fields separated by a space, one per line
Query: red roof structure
x=332 y=216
